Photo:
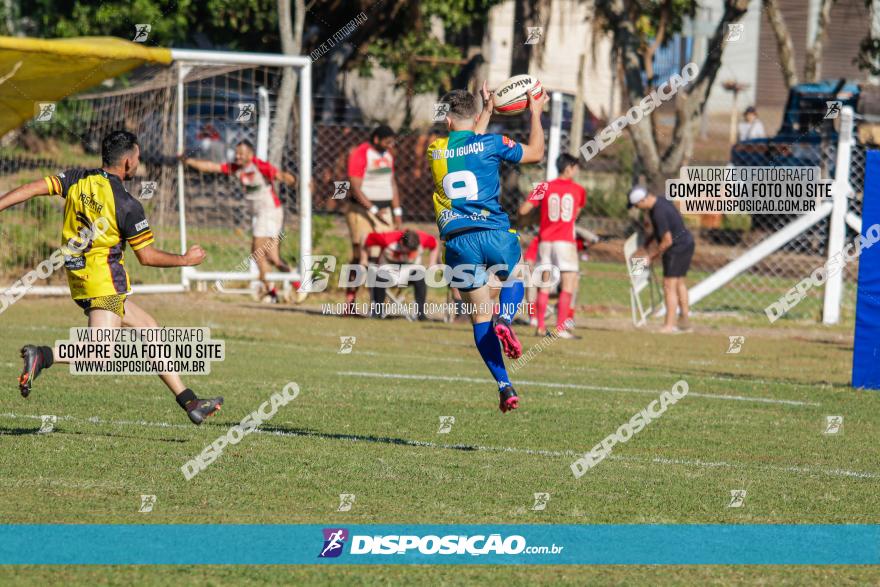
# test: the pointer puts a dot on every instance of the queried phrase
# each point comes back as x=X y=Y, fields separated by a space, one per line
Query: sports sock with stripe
x=490 y=350
x=563 y=310
x=541 y=308
x=511 y=296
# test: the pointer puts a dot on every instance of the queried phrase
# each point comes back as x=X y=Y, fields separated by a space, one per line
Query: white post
x=875 y=34
x=840 y=191
x=182 y=71
x=305 y=166
x=264 y=116
x=305 y=134
x=553 y=148
x=239 y=58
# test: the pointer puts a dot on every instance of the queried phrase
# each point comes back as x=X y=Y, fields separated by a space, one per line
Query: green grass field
x=367 y=423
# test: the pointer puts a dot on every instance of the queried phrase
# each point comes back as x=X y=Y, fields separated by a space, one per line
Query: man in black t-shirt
x=675 y=244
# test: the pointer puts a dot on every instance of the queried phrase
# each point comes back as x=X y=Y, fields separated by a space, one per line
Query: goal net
x=201 y=105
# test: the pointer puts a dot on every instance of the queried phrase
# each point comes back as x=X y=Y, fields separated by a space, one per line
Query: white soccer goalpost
x=188 y=58
x=144 y=106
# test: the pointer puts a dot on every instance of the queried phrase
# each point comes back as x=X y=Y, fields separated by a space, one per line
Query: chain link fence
x=217 y=216
x=608 y=179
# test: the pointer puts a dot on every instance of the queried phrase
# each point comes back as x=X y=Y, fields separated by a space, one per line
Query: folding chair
x=641 y=277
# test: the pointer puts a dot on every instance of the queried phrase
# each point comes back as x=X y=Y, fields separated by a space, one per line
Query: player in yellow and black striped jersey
x=91 y=194
x=100 y=219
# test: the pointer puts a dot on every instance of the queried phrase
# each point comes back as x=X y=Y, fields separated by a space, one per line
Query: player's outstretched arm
x=485 y=115
x=288 y=178
x=534 y=151
x=150 y=256
x=202 y=165
x=24 y=193
x=525 y=208
x=433 y=256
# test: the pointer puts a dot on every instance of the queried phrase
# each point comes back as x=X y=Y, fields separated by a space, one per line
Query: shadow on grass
x=17 y=431
x=286 y=431
x=4 y=431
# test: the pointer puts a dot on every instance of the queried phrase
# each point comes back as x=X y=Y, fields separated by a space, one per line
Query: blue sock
x=490 y=349
x=511 y=296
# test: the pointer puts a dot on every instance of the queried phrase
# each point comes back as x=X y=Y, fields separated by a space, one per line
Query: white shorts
x=561 y=254
x=268 y=221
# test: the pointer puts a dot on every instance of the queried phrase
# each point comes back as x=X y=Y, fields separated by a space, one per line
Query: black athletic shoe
x=203 y=408
x=33 y=366
x=509 y=399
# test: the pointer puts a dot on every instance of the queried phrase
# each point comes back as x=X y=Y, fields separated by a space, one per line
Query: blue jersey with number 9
x=466 y=185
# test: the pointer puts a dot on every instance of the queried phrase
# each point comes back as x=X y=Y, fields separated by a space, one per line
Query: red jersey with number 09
x=560 y=206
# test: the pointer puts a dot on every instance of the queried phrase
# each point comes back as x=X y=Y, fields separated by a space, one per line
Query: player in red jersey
x=559 y=204
x=258 y=179
x=400 y=247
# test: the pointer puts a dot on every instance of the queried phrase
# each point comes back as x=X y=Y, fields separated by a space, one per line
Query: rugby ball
x=511 y=96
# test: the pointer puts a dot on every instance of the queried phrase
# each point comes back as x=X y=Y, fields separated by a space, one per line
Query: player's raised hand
x=488 y=97
x=482 y=121
x=195 y=255
x=536 y=106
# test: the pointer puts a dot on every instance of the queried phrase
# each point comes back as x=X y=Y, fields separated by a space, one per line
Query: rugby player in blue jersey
x=465 y=166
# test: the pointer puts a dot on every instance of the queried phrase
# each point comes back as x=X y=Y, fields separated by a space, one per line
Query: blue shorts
x=471 y=254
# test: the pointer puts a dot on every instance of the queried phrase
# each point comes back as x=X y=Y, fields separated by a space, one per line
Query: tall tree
x=785 y=46
x=868 y=58
x=631 y=35
x=421 y=62
x=291 y=44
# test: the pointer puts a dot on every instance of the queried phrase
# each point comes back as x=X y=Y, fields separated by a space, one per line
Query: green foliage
x=236 y=24
x=607 y=202
x=651 y=12
x=420 y=61
x=31 y=237
x=322 y=224
x=409 y=59
x=609 y=199
x=68 y=122
x=738 y=222
x=250 y=25
x=458 y=14
x=169 y=19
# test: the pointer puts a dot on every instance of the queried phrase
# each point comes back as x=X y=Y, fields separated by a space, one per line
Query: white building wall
x=740 y=59
x=568 y=36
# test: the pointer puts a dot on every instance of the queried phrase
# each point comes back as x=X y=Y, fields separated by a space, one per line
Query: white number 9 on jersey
x=460 y=184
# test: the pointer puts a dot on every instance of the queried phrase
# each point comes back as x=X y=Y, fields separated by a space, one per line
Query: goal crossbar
x=188 y=58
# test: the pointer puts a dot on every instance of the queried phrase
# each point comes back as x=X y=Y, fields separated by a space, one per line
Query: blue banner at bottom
x=770 y=544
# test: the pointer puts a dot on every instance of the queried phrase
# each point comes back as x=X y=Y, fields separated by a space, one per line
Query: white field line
x=739 y=398
x=661 y=370
x=508 y=449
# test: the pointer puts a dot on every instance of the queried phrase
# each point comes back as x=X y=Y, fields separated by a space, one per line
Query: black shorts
x=677 y=262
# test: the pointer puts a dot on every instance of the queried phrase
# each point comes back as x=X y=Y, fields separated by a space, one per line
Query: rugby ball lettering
x=510 y=97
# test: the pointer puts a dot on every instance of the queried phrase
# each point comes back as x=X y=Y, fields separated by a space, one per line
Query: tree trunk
x=784 y=46
x=689 y=104
x=291 y=44
x=813 y=60
x=690 y=100
x=541 y=18
x=521 y=54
